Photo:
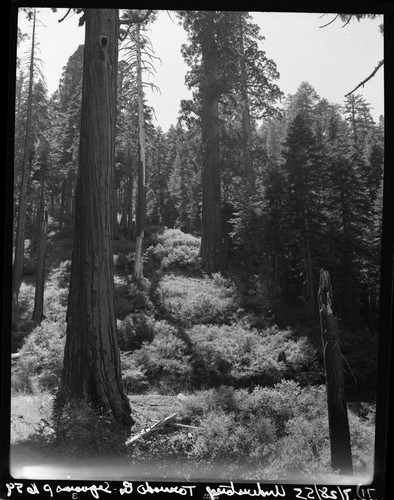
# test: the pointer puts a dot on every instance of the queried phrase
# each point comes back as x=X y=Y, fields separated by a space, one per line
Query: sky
x=334 y=59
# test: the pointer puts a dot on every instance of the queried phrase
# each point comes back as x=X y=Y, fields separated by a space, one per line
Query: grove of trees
x=275 y=187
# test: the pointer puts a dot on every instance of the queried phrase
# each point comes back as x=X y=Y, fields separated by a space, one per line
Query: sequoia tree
x=91 y=361
x=207 y=55
x=26 y=158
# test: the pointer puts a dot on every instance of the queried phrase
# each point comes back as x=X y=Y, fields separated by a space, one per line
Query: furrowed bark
x=141 y=201
x=91 y=360
x=341 y=453
x=212 y=249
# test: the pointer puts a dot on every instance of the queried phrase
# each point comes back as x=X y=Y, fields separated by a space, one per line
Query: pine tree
x=304 y=216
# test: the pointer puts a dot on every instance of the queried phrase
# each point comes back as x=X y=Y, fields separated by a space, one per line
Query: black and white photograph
x=196 y=239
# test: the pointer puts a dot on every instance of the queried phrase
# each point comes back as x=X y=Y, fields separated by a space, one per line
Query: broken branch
x=328 y=24
x=380 y=64
x=151 y=429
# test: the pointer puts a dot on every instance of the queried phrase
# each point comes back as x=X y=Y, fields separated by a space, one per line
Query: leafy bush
x=124 y=263
x=55 y=302
x=304 y=450
x=82 y=431
x=134 y=330
x=175 y=249
x=237 y=355
x=133 y=376
x=41 y=357
x=262 y=426
x=20 y=331
x=207 y=309
x=24 y=310
x=165 y=360
x=131 y=298
x=61 y=274
x=277 y=432
x=198 y=301
x=362 y=438
x=21 y=382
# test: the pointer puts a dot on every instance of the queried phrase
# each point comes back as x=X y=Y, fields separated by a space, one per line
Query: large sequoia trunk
x=341 y=453
x=248 y=169
x=91 y=361
x=212 y=242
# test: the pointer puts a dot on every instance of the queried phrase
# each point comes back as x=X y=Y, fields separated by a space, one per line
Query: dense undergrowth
x=253 y=389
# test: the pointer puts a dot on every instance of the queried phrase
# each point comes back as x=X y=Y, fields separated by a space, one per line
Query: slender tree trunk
x=341 y=453
x=92 y=368
x=115 y=214
x=140 y=222
x=42 y=226
x=62 y=203
x=22 y=205
x=125 y=203
x=130 y=187
x=212 y=249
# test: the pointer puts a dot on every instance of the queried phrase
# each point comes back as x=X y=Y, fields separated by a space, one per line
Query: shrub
x=124 y=263
x=275 y=432
x=230 y=432
x=21 y=382
x=24 y=310
x=131 y=298
x=304 y=450
x=237 y=355
x=175 y=249
x=55 y=302
x=362 y=437
x=82 y=431
x=204 y=308
x=286 y=400
x=41 y=357
x=20 y=331
x=134 y=330
x=133 y=377
x=61 y=274
x=165 y=361
x=198 y=301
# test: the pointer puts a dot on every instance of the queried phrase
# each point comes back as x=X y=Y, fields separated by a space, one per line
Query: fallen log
x=184 y=426
x=152 y=428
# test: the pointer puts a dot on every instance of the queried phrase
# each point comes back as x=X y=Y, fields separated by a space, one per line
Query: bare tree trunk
x=140 y=222
x=22 y=205
x=62 y=203
x=115 y=214
x=341 y=453
x=125 y=203
x=246 y=125
x=130 y=187
x=92 y=368
x=42 y=226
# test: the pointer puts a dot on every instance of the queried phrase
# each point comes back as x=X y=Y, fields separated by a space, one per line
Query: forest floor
x=201 y=327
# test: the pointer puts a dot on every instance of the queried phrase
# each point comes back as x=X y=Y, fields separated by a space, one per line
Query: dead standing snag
x=341 y=454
